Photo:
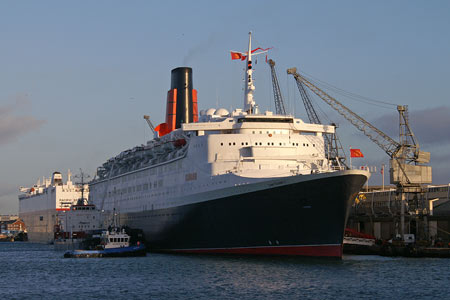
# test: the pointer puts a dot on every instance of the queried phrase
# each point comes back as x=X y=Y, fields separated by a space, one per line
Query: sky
x=77 y=77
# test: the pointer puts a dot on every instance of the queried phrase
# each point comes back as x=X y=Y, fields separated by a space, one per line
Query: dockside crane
x=333 y=145
x=279 y=104
x=407 y=169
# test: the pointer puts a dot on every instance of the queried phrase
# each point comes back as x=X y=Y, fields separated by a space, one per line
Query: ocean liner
x=242 y=182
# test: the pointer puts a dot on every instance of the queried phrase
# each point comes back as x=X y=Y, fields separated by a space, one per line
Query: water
x=33 y=271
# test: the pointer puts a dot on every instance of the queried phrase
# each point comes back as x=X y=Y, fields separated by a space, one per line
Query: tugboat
x=114 y=243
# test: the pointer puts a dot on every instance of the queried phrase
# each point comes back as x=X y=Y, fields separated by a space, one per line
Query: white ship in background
x=230 y=182
x=42 y=205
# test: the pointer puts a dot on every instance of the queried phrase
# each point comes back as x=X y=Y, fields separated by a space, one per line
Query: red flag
x=237 y=55
x=356 y=153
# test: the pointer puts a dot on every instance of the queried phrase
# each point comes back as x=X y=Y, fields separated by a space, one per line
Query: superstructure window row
x=269 y=144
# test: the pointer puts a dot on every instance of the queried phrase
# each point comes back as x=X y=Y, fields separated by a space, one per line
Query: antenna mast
x=82 y=177
x=249 y=103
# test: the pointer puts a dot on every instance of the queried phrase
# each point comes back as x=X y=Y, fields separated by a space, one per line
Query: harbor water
x=34 y=271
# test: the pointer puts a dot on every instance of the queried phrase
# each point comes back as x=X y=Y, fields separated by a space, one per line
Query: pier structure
x=426 y=215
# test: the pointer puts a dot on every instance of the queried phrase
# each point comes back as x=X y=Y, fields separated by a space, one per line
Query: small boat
x=114 y=243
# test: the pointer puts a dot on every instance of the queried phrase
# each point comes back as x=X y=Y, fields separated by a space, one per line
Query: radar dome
x=222 y=112
x=210 y=111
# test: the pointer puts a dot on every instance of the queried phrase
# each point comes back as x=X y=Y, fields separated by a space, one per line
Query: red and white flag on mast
x=243 y=56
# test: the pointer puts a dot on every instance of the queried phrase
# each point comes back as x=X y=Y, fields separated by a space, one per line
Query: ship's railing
x=338 y=168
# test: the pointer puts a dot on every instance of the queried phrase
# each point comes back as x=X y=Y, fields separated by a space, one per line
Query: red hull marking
x=319 y=251
x=62 y=209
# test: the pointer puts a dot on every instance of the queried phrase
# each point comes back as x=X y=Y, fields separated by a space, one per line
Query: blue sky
x=77 y=77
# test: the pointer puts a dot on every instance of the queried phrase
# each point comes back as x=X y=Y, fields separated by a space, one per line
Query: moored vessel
x=245 y=181
x=42 y=205
x=113 y=243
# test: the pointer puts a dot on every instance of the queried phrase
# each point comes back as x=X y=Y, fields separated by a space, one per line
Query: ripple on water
x=36 y=271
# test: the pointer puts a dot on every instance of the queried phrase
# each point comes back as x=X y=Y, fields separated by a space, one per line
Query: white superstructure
x=221 y=152
x=40 y=205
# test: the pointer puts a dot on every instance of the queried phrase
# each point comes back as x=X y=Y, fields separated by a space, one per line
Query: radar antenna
x=82 y=176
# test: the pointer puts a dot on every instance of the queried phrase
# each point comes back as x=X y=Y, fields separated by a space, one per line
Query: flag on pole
x=243 y=56
x=237 y=55
x=356 y=153
x=263 y=50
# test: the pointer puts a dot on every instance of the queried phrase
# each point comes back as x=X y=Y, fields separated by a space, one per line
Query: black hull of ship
x=305 y=218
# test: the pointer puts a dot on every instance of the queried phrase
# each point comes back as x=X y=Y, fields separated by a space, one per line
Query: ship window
x=41 y=218
x=229 y=144
x=234 y=144
x=280 y=144
x=272 y=144
x=266 y=120
x=314 y=145
x=246 y=143
x=242 y=143
x=253 y=132
x=260 y=144
x=268 y=144
x=221 y=144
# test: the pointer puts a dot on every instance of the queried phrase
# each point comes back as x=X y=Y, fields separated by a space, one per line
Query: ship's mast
x=249 y=103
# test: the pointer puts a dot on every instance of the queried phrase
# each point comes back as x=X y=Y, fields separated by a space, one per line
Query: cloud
x=430 y=126
x=12 y=125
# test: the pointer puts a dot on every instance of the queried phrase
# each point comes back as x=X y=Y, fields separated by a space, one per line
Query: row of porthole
x=253 y=132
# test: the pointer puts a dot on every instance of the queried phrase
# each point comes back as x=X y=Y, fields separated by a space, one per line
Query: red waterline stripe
x=317 y=251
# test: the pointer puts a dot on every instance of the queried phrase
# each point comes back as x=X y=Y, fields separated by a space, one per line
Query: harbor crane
x=333 y=146
x=279 y=104
x=407 y=169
